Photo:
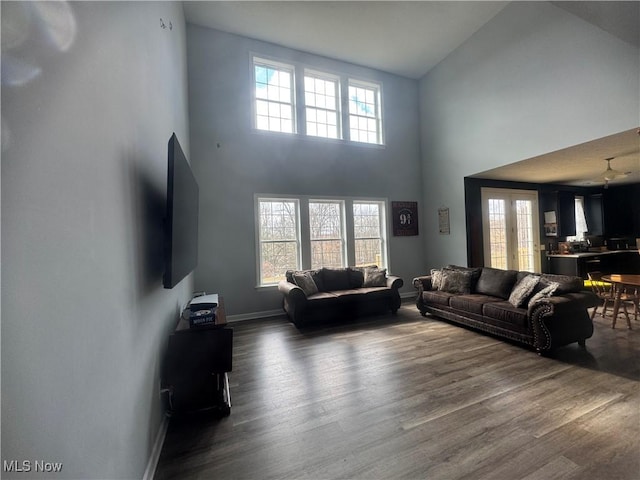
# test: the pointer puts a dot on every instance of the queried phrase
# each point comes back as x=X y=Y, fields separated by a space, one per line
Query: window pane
x=274 y=97
x=524 y=227
x=278 y=220
x=278 y=235
x=326 y=232
x=364 y=117
x=326 y=253
x=498 y=233
x=368 y=252
x=276 y=259
x=368 y=233
x=321 y=106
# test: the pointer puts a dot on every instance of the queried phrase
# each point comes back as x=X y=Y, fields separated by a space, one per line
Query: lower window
x=302 y=233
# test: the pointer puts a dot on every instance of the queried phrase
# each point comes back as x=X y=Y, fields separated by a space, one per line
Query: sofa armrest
x=394 y=283
x=423 y=282
x=294 y=301
x=291 y=291
x=567 y=302
x=562 y=319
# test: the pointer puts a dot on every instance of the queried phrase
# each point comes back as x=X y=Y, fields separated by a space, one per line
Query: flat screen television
x=181 y=218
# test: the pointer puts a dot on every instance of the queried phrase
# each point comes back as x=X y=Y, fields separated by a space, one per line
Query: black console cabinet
x=196 y=366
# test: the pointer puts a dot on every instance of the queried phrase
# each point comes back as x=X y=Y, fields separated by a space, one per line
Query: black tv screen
x=181 y=219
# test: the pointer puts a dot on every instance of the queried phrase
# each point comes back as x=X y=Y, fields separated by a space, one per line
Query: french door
x=511 y=230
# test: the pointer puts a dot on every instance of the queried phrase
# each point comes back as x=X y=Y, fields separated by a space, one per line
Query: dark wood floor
x=411 y=397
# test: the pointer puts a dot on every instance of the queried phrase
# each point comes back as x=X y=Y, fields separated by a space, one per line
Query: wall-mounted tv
x=181 y=219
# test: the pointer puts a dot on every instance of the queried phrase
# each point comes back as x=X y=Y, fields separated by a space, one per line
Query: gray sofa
x=329 y=294
x=542 y=311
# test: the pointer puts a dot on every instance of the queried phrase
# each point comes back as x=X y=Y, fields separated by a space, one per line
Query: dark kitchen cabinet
x=566 y=215
x=621 y=207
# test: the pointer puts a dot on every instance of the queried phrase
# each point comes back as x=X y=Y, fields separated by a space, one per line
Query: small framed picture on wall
x=405 y=218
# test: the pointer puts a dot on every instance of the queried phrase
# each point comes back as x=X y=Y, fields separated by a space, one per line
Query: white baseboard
x=152 y=464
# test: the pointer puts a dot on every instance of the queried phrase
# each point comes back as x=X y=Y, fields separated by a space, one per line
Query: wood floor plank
x=410 y=397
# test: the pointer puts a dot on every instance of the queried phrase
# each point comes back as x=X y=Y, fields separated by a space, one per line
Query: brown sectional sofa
x=338 y=293
x=543 y=311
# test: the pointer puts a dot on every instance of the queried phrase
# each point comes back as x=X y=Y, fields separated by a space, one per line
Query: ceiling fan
x=610 y=174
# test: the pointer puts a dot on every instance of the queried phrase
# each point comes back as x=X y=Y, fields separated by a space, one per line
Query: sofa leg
x=582 y=342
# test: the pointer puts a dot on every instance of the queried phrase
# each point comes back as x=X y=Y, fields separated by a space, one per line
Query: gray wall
x=534 y=80
x=249 y=162
x=90 y=97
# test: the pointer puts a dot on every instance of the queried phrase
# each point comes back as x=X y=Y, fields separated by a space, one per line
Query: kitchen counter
x=589 y=254
x=579 y=264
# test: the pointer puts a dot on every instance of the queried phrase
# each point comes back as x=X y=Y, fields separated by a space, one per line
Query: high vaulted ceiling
x=405 y=38
x=409 y=38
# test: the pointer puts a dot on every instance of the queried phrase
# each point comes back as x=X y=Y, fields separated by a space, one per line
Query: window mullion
x=350 y=232
x=305 y=234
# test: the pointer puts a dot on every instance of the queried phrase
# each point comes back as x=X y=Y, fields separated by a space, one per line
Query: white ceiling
x=409 y=38
x=581 y=165
x=405 y=38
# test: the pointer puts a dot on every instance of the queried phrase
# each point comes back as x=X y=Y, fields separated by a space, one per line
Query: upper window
x=365 y=119
x=274 y=93
x=322 y=110
x=321 y=105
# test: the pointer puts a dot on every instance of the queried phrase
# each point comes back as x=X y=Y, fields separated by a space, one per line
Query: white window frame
x=510 y=196
x=376 y=89
x=279 y=66
x=299 y=108
x=259 y=241
x=383 y=237
x=342 y=236
x=303 y=228
x=335 y=108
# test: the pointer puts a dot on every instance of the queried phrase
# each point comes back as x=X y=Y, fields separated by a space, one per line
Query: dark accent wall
x=619 y=211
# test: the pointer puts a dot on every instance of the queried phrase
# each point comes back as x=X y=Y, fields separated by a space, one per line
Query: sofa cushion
x=470 y=303
x=335 y=279
x=505 y=312
x=566 y=283
x=305 y=281
x=374 y=277
x=374 y=293
x=436 y=278
x=437 y=297
x=315 y=274
x=348 y=295
x=475 y=273
x=456 y=281
x=548 y=290
x=356 y=277
x=522 y=290
x=323 y=300
x=496 y=282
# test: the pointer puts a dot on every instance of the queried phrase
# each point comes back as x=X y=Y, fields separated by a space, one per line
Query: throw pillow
x=547 y=291
x=475 y=273
x=436 y=279
x=496 y=282
x=456 y=281
x=305 y=281
x=523 y=290
x=373 y=277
